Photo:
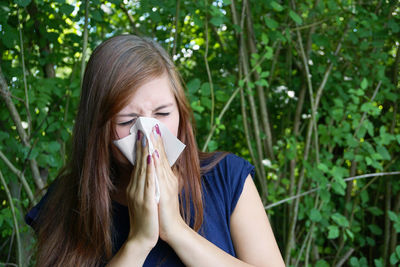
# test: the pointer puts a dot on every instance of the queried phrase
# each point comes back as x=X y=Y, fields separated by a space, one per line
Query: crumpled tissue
x=173 y=146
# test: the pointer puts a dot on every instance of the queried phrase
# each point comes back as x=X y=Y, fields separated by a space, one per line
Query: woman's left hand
x=170 y=219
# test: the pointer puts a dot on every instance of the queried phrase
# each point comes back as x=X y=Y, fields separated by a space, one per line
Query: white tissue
x=172 y=146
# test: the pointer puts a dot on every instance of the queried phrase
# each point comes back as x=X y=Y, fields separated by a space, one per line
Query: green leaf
x=393 y=216
x=53 y=147
x=276 y=6
x=398 y=251
x=364 y=84
x=340 y=220
x=271 y=23
x=217 y=21
x=354 y=262
x=375 y=229
x=315 y=215
x=296 y=18
x=197 y=107
x=23 y=3
x=333 y=232
x=375 y=211
x=323 y=167
x=264 y=38
x=96 y=15
x=10 y=36
x=205 y=89
x=193 y=85
x=384 y=153
x=212 y=145
x=322 y=263
x=394 y=259
x=66 y=9
x=349 y=233
x=378 y=262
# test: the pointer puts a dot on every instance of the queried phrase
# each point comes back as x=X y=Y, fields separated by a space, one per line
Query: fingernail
x=158 y=130
x=158 y=156
x=138 y=135
x=148 y=159
x=155 y=133
x=143 y=141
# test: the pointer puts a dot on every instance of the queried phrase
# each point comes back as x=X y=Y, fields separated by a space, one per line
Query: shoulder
x=226 y=179
x=230 y=166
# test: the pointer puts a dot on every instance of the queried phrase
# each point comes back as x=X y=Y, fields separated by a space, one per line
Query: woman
x=102 y=210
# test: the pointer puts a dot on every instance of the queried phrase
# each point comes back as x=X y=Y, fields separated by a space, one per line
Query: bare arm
x=251 y=233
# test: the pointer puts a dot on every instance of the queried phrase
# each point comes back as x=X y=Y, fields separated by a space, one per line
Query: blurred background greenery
x=307 y=91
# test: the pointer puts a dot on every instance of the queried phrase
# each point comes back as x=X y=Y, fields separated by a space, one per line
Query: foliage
x=308 y=91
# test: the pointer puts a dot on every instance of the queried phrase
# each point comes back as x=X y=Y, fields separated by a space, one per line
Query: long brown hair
x=74 y=226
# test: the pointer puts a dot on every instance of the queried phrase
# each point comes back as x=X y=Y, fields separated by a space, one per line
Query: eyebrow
x=138 y=115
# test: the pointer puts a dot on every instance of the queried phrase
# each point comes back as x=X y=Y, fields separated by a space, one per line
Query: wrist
x=142 y=245
x=176 y=232
x=132 y=251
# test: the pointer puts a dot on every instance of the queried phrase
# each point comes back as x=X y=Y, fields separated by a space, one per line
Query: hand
x=170 y=219
x=143 y=214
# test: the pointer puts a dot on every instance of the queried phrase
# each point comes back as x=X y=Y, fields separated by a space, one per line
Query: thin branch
x=15 y=221
x=210 y=81
x=28 y=113
x=225 y=108
x=178 y=5
x=130 y=18
x=310 y=92
x=308 y=25
x=21 y=131
x=345 y=257
x=12 y=96
x=254 y=116
x=379 y=174
x=293 y=220
x=365 y=113
x=227 y=104
x=260 y=90
x=85 y=39
x=20 y=176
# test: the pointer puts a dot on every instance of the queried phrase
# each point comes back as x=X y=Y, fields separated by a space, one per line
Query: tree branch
x=18 y=124
x=15 y=221
x=85 y=39
x=329 y=185
x=28 y=113
x=20 y=176
x=210 y=81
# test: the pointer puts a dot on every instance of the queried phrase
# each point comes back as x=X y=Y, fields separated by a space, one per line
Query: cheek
x=122 y=131
x=173 y=125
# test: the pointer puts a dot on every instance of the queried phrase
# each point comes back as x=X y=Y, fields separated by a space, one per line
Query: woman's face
x=153 y=99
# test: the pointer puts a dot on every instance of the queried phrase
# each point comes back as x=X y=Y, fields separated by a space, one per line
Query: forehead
x=155 y=92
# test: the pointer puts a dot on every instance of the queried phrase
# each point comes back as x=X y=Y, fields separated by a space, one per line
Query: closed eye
x=162 y=114
x=127 y=122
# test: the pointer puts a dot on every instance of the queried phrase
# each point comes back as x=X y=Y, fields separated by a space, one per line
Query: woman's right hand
x=143 y=209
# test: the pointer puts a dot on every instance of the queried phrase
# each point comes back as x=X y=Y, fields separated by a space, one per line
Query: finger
x=159 y=144
x=149 y=192
x=143 y=166
x=138 y=152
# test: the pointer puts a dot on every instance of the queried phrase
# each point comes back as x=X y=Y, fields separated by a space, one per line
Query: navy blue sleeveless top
x=222 y=187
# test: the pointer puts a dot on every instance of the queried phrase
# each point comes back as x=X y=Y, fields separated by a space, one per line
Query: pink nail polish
x=158 y=156
x=138 y=135
x=158 y=130
x=148 y=159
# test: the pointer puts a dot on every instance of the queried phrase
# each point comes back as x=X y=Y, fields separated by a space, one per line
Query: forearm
x=132 y=253
x=194 y=250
